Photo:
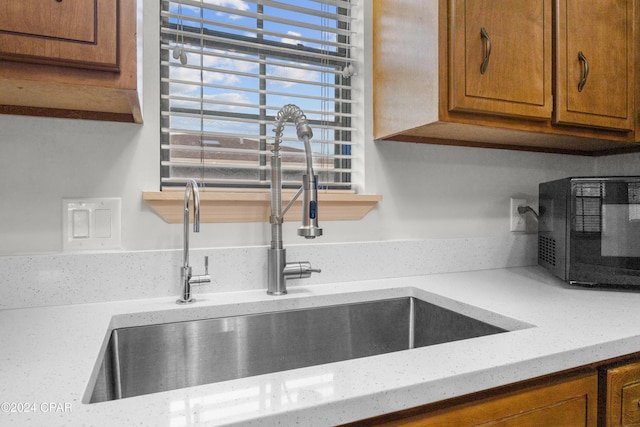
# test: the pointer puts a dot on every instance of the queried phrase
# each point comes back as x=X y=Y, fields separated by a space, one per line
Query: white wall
x=628 y=164
x=429 y=191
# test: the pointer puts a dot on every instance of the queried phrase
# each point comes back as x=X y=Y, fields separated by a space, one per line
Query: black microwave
x=589 y=230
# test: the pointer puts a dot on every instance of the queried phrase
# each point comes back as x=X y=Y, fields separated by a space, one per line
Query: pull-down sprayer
x=278 y=269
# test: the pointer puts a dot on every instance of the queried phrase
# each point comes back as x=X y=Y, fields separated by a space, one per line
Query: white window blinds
x=228 y=66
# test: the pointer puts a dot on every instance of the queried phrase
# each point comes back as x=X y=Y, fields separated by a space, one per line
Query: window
x=228 y=66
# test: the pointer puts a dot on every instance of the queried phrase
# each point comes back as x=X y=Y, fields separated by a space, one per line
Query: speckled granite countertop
x=48 y=354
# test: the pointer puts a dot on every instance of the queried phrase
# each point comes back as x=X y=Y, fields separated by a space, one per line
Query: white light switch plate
x=90 y=224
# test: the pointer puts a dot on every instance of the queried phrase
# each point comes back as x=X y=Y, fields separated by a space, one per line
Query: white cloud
x=187 y=10
x=222 y=63
x=292 y=40
x=235 y=97
x=233 y=4
x=227 y=63
x=293 y=73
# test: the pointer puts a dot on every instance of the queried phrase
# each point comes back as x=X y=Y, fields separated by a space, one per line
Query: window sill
x=254 y=205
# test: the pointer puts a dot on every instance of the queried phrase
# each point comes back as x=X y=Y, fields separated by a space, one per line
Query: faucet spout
x=279 y=270
x=191 y=188
x=186 y=279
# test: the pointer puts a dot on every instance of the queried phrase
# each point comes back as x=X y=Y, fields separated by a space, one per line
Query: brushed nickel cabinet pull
x=486 y=48
x=585 y=71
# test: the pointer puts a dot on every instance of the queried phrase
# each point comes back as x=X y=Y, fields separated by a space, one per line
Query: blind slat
x=213 y=135
x=283 y=49
x=256 y=153
x=212 y=115
x=344 y=4
x=245 y=58
x=222 y=165
x=304 y=10
x=250 y=90
x=254 y=75
x=254 y=183
x=243 y=105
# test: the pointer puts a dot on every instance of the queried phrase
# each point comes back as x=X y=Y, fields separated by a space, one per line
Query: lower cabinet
x=620 y=386
x=570 y=401
x=605 y=394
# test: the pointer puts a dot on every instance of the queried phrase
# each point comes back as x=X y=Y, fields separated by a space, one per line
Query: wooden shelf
x=254 y=206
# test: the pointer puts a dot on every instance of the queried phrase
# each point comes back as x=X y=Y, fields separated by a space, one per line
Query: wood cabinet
x=80 y=33
x=594 y=66
x=76 y=61
x=500 y=62
x=429 y=86
x=605 y=393
x=621 y=395
x=570 y=401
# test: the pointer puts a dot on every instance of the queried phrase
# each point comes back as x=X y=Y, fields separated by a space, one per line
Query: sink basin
x=147 y=359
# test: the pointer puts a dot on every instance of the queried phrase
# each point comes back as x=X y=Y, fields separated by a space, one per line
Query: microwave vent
x=547 y=250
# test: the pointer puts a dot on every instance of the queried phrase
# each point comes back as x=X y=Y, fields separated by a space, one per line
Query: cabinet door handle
x=486 y=47
x=585 y=71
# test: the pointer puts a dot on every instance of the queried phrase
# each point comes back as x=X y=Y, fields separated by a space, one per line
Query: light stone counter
x=48 y=354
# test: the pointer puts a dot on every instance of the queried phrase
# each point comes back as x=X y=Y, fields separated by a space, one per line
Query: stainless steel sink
x=148 y=359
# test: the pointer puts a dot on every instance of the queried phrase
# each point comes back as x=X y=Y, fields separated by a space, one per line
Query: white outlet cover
x=102 y=230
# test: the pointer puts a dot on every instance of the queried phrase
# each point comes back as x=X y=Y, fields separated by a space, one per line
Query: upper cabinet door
x=500 y=57
x=77 y=33
x=594 y=83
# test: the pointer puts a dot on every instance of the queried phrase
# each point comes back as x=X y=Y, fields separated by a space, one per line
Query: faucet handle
x=299 y=270
x=202 y=279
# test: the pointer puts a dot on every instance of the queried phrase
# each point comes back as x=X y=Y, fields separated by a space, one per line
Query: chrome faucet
x=279 y=271
x=186 y=279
